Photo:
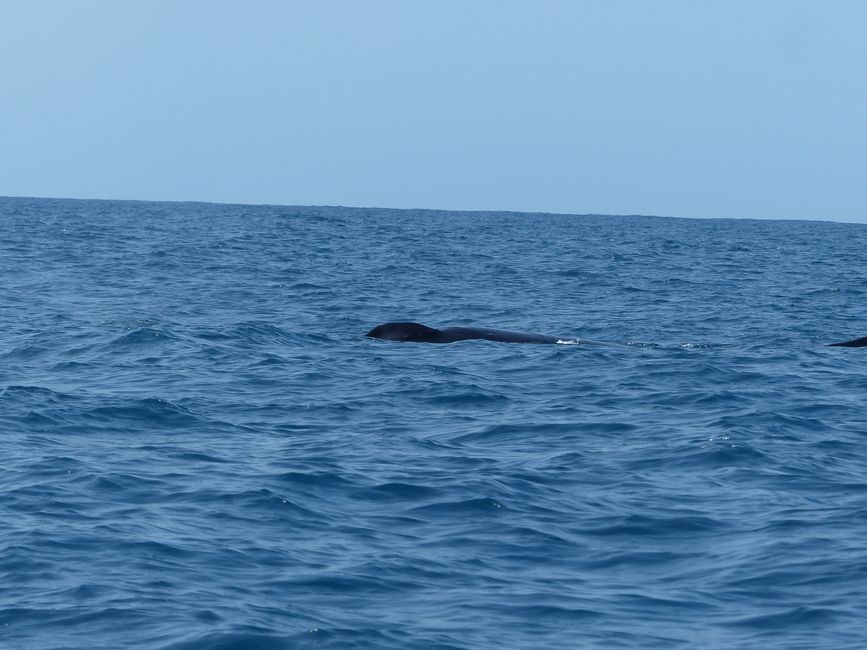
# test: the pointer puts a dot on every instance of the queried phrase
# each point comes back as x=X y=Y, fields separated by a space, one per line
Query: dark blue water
x=201 y=450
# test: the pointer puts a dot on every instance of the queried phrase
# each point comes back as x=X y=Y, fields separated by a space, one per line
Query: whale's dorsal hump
x=402 y=332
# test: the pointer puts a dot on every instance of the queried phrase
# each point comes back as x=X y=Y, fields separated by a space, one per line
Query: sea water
x=200 y=448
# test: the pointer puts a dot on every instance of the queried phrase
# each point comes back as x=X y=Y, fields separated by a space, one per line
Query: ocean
x=201 y=449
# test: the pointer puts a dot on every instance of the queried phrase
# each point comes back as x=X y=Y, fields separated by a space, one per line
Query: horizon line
x=417 y=209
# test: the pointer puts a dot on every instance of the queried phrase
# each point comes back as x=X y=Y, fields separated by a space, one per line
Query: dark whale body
x=418 y=333
x=855 y=343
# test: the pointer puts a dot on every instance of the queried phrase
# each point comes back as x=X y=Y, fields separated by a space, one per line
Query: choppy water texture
x=201 y=450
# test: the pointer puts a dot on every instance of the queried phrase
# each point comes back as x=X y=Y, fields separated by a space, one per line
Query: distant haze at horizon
x=416 y=209
x=736 y=109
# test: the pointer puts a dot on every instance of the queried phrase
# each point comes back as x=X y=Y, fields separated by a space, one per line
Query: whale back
x=855 y=343
x=451 y=334
x=403 y=332
x=418 y=333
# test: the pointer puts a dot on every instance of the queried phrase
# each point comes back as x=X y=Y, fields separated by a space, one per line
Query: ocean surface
x=200 y=449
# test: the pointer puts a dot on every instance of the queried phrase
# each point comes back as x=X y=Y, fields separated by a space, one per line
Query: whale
x=418 y=333
x=854 y=343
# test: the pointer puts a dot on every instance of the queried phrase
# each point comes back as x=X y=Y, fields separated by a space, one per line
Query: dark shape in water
x=855 y=343
x=418 y=333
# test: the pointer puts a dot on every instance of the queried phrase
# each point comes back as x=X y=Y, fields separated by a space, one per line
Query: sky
x=730 y=108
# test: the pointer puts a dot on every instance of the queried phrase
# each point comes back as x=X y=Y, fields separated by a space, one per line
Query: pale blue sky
x=753 y=108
